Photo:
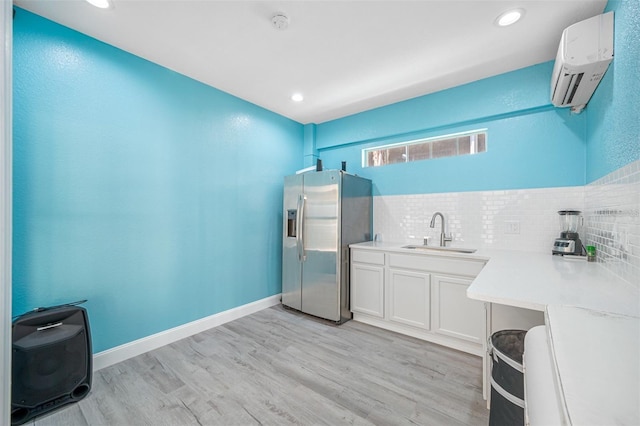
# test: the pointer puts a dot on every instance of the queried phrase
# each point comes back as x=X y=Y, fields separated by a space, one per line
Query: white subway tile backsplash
x=610 y=206
x=479 y=219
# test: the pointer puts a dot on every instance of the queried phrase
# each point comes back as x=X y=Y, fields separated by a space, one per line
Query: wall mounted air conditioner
x=584 y=54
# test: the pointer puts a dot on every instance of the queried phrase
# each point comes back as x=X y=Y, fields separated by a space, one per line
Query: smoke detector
x=280 y=21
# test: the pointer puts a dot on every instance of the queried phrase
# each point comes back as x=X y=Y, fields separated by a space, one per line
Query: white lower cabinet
x=367 y=289
x=454 y=314
x=410 y=298
x=419 y=295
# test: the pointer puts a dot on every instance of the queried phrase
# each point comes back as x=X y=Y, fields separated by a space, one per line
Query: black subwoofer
x=51 y=361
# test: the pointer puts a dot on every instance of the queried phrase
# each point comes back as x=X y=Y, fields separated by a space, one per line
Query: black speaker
x=51 y=361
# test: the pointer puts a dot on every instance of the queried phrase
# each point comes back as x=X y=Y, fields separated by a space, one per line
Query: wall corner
x=310 y=151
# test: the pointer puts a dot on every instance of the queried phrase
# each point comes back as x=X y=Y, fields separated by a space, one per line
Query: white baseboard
x=137 y=347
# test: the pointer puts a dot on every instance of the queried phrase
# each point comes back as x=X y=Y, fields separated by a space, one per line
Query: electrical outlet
x=512 y=227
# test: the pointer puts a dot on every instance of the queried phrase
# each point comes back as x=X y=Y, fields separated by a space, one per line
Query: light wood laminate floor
x=278 y=367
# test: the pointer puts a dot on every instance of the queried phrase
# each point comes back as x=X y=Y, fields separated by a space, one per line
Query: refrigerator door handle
x=300 y=225
x=298 y=207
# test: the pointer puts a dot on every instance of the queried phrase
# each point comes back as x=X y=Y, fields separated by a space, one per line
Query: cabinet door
x=367 y=289
x=409 y=297
x=454 y=314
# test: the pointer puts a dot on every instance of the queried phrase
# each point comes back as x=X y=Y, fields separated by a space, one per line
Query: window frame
x=430 y=141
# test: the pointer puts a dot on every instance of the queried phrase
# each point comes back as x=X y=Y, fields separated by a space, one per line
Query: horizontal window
x=425 y=149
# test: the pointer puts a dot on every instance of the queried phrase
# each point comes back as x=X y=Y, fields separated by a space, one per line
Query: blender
x=569 y=241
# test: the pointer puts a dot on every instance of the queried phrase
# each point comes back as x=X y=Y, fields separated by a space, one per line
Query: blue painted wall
x=534 y=150
x=613 y=124
x=154 y=196
x=133 y=183
x=530 y=143
x=521 y=90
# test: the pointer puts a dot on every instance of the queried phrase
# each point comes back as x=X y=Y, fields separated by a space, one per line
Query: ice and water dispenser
x=292 y=216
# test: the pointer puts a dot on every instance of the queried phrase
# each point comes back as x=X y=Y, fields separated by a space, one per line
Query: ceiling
x=344 y=56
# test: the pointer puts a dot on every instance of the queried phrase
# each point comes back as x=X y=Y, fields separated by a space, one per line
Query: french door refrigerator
x=324 y=212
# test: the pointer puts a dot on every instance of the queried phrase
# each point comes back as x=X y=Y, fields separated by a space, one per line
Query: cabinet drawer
x=447 y=265
x=367 y=256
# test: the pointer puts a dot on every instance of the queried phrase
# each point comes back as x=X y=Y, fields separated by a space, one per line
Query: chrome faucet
x=443 y=237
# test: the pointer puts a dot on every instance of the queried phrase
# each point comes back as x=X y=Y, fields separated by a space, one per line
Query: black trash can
x=506 y=348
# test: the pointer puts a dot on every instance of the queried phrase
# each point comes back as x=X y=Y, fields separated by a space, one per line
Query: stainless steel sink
x=435 y=248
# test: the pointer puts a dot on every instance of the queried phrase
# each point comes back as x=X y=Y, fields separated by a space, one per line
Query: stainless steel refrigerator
x=324 y=212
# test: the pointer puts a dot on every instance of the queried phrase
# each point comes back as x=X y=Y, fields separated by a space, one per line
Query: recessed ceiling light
x=509 y=17
x=297 y=97
x=102 y=4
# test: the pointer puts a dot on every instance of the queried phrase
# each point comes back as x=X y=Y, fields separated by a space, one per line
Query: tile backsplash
x=612 y=210
x=526 y=219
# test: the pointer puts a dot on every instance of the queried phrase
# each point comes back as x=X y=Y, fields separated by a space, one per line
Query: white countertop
x=399 y=248
x=593 y=326
x=536 y=280
x=596 y=360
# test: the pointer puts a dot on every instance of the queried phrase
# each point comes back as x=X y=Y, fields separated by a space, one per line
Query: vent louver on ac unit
x=568 y=86
x=584 y=54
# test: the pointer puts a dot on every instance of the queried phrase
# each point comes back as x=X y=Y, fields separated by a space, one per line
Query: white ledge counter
x=536 y=280
x=596 y=364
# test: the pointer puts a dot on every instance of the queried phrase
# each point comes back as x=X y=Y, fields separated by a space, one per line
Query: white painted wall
x=5 y=212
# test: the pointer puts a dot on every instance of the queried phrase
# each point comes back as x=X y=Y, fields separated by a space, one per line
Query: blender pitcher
x=569 y=241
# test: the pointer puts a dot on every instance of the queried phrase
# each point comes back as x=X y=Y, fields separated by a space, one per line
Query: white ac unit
x=584 y=54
